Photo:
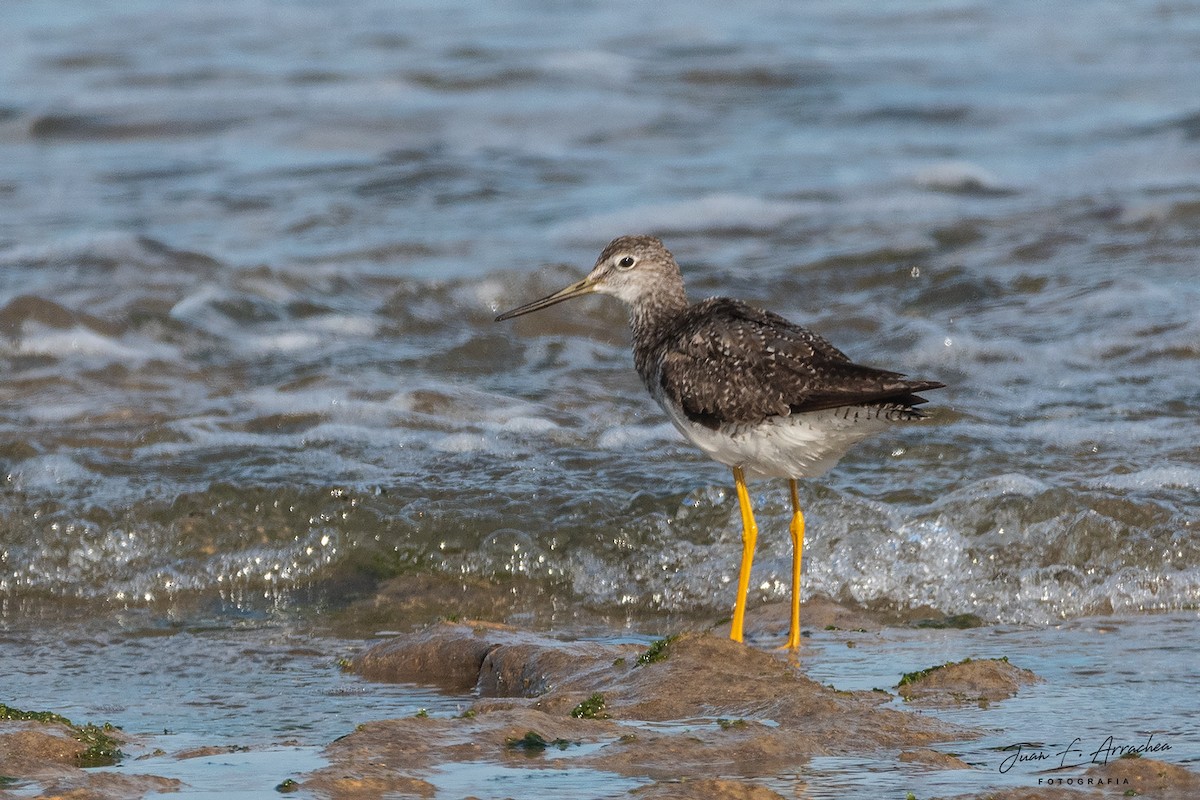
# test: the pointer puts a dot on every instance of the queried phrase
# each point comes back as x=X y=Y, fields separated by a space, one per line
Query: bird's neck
x=652 y=321
x=654 y=313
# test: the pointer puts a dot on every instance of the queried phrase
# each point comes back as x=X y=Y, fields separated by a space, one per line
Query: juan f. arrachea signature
x=1075 y=754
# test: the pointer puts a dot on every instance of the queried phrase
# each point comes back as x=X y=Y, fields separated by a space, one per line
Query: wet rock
x=449 y=656
x=45 y=755
x=704 y=789
x=27 y=748
x=372 y=757
x=495 y=660
x=816 y=614
x=933 y=758
x=1149 y=777
x=208 y=751
x=721 y=709
x=381 y=783
x=528 y=665
x=707 y=750
x=969 y=681
x=768 y=622
x=701 y=674
x=1030 y=793
x=692 y=674
x=84 y=785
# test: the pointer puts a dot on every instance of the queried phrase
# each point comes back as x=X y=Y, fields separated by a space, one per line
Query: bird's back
x=724 y=362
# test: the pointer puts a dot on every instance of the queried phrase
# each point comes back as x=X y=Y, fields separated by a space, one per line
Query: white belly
x=797 y=446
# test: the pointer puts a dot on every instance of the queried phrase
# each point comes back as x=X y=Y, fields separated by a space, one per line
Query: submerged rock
x=697 y=705
x=26 y=748
x=933 y=758
x=447 y=656
x=46 y=756
x=970 y=681
x=1148 y=777
x=704 y=789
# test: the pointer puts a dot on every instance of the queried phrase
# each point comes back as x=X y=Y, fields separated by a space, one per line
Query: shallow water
x=249 y=257
x=250 y=254
x=1114 y=676
x=271 y=692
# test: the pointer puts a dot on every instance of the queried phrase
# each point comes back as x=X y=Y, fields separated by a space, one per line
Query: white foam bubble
x=521 y=424
x=490 y=292
x=307 y=401
x=630 y=437
x=49 y=473
x=57 y=412
x=958 y=176
x=117 y=246
x=462 y=443
x=288 y=341
x=344 y=324
x=38 y=339
x=341 y=433
x=330 y=403
x=196 y=308
x=1173 y=477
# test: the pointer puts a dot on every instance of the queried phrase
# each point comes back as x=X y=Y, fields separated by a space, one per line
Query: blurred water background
x=250 y=254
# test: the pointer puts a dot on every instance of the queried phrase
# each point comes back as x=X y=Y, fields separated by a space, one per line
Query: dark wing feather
x=727 y=362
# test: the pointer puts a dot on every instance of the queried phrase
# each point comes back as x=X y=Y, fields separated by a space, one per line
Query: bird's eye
x=626 y=262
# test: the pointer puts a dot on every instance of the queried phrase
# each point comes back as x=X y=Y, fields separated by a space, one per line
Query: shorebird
x=760 y=394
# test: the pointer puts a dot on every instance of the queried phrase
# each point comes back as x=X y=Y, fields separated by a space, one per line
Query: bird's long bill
x=585 y=286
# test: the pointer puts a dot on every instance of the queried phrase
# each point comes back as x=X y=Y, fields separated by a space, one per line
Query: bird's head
x=634 y=269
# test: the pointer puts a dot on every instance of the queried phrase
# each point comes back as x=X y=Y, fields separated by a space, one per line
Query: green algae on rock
x=764 y=716
x=967 y=681
x=592 y=708
x=288 y=786
x=101 y=748
x=534 y=742
x=657 y=652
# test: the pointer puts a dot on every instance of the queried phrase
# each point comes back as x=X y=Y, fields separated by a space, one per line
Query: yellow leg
x=797 y=528
x=749 y=537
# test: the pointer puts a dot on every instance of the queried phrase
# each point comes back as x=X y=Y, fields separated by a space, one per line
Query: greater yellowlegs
x=752 y=390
